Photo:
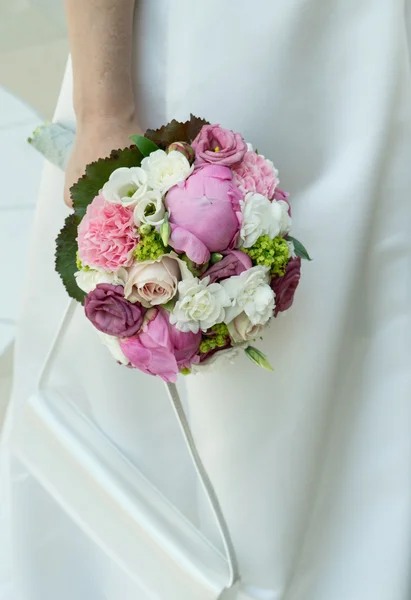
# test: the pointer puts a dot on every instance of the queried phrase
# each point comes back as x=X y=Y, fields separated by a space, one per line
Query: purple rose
x=284 y=287
x=219 y=146
x=111 y=313
x=204 y=213
x=234 y=262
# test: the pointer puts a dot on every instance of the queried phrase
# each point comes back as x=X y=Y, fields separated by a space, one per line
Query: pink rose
x=111 y=313
x=159 y=348
x=234 y=262
x=256 y=174
x=219 y=146
x=204 y=213
x=106 y=237
x=284 y=287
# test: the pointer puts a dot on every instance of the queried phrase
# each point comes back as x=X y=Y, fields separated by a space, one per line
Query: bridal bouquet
x=179 y=248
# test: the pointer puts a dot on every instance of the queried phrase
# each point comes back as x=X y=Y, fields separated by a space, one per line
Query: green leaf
x=145 y=145
x=258 y=357
x=66 y=257
x=97 y=174
x=169 y=306
x=165 y=230
x=175 y=131
x=299 y=248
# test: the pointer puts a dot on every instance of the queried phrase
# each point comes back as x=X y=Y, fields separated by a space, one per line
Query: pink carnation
x=106 y=237
x=256 y=174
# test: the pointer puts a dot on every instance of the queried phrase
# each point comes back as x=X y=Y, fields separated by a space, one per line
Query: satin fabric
x=311 y=463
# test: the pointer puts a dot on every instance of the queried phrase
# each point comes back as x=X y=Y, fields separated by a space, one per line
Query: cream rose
x=241 y=329
x=155 y=282
x=166 y=170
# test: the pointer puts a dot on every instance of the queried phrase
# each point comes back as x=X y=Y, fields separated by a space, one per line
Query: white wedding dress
x=312 y=463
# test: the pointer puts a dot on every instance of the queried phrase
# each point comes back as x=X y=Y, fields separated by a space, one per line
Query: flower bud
x=184 y=148
x=258 y=357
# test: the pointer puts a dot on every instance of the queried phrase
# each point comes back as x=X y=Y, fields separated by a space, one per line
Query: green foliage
x=66 y=257
x=97 y=174
x=299 y=248
x=176 y=131
x=145 y=145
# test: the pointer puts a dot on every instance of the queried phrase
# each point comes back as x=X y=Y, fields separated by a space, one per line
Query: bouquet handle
x=206 y=483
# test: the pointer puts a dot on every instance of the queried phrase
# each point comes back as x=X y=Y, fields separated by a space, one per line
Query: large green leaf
x=66 y=252
x=299 y=249
x=145 y=145
x=176 y=131
x=98 y=173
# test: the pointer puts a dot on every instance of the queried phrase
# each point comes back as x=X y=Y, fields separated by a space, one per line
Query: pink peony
x=106 y=237
x=159 y=348
x=256 y=174
x=204 y=213
x=234 y=262
x=284 y=287
x=219 y=146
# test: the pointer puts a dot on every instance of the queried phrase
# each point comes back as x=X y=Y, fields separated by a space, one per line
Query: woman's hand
x=95 y=140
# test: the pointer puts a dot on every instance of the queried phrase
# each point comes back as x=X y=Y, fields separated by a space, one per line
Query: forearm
x=100 y=36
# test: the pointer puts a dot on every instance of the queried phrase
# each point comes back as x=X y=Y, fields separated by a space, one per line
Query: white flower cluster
x=143 y=188
x=244 y=302
x=263 y=217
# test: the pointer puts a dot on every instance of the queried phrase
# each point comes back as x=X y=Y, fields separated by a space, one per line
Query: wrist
x=102 y=109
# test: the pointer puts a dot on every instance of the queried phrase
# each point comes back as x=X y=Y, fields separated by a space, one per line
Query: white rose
x=241 y=329
x=250 y=293
x=113 y=345
x=89 y=280
x=223 y=356
x=126 y=186
x=166 y=170
x=150 y=209
x=262 y=217
x=200 y=306
x=155 y=282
